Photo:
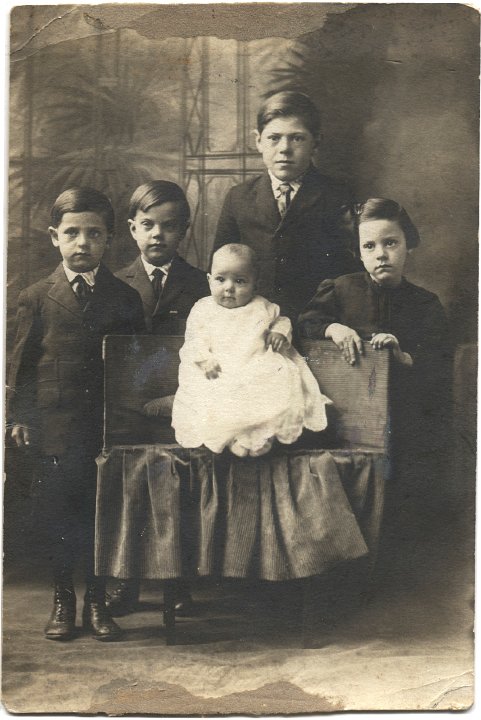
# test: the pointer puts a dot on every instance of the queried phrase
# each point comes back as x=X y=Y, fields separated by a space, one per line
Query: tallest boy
x=288 y=215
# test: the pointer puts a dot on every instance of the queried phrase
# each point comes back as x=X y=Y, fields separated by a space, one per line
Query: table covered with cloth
x=165 y=512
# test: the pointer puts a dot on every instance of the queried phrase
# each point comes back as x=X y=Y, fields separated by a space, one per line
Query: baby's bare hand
x=210 y=368
x=275 y=340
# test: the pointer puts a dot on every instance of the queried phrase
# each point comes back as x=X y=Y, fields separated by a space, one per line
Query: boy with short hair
x=288 y=215
x=56 y=380
x=159 y=216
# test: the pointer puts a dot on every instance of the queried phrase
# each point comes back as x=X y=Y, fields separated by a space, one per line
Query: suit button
x=283 y=259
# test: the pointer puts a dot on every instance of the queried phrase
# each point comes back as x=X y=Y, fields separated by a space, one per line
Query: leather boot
x=96 y=617
x=124 y=598
x=61 y=625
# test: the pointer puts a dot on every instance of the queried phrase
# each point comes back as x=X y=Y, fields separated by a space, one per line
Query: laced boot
x=96 y=617
x=61 y=625
x=124 y=598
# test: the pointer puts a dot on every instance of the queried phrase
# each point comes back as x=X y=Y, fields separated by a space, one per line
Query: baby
x=241 y=384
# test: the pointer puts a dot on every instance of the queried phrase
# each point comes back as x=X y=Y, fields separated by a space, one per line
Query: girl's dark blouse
x=415 y=316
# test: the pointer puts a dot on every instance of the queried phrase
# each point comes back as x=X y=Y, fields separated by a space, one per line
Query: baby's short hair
x=83 y=199
x=290 y=103
x=379 y=209
x=244 y=252
x=158 y=192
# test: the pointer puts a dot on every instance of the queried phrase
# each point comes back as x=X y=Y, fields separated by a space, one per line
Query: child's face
x=286 y=146
x=232 y=282
x=383 y=251
x=82 y=238
x=158 y=232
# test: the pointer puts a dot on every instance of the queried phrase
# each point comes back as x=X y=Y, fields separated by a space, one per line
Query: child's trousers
x=64 y=502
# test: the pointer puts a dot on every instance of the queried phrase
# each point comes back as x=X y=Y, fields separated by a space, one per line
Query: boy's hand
x=21 y=435
x=347 y=340
x=387 y=340
x=160 y=407
x=275 y=340
x=210 y=368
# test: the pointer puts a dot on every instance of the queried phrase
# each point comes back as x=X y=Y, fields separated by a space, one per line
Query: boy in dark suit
x=56 y=380
x=159 y=216
x=288 y=215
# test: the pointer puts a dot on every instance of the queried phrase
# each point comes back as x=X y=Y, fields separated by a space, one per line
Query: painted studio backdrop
x=115 y=95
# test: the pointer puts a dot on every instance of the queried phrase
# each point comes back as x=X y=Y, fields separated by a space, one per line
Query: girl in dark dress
x=381 y=307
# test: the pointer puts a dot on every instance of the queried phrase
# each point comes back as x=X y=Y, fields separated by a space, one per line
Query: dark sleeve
x=227 y=227
x=22 y=381
x=320 y=312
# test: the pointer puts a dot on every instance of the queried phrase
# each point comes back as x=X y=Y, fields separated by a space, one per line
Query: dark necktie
x=284 y=198
x=82 y=290
x=158 y=276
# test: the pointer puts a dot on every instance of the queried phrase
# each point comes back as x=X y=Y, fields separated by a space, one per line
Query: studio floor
x=409 y=646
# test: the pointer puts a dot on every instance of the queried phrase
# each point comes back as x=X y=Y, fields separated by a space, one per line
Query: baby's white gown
x=259 y=395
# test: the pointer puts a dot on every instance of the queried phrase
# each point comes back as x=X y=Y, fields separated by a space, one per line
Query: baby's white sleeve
x=196 y=347
x=280 y=323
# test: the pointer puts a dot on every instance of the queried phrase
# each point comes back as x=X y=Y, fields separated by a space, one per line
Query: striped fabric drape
x=165 y=512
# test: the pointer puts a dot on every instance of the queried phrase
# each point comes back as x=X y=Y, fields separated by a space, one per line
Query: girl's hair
x=245 y=252
x=158 y=192
x=288 y=104
x=83 y=199
x=379 y=209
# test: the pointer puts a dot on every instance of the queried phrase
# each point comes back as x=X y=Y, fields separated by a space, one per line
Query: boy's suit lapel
x=139 y=280
x=176 y=280
x=61 y=292
x=266 y=210
x=310 y=193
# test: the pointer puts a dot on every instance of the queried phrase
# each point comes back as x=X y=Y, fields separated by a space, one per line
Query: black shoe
x=61 y=625
x=124 y=598
x=184 y=607
x=96 y=617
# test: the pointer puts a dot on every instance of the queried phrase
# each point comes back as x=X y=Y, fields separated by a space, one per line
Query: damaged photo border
x=305 y=25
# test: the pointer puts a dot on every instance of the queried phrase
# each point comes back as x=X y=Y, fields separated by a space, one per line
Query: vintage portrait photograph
x=240 y=358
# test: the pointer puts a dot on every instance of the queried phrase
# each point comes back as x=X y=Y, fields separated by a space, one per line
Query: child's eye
x=219 y=278
x=274 y=138
x=391 y=242
x=146 y=224
x=71 y=232
x=368 y=246
x=240 y=281
x=94 y=234
x=298 y=138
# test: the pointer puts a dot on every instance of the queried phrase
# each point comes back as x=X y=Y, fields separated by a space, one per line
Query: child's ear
x=258 y=139
x=131 y=224
x=53 y=235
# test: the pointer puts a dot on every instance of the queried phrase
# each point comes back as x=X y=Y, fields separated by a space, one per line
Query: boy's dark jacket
x=56 y=374
x=298 y=251
x=185 y=285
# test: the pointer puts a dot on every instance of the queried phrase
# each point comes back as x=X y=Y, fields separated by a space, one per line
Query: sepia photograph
x=240 y=352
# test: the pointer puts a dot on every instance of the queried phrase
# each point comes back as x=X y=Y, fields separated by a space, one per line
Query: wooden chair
x=138 y=369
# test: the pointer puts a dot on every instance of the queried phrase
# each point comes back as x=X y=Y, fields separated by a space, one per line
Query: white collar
x=88 y=276
x=149 y=268
x=275 y=182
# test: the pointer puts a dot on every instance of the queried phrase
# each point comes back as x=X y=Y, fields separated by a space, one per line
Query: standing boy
x=288 y=215
x=159 y=216
x=56 y=380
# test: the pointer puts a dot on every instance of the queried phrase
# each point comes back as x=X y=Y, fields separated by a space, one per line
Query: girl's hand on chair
x=210 y=368
x=275 y=340
x=387 y=340
x=347 y=340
